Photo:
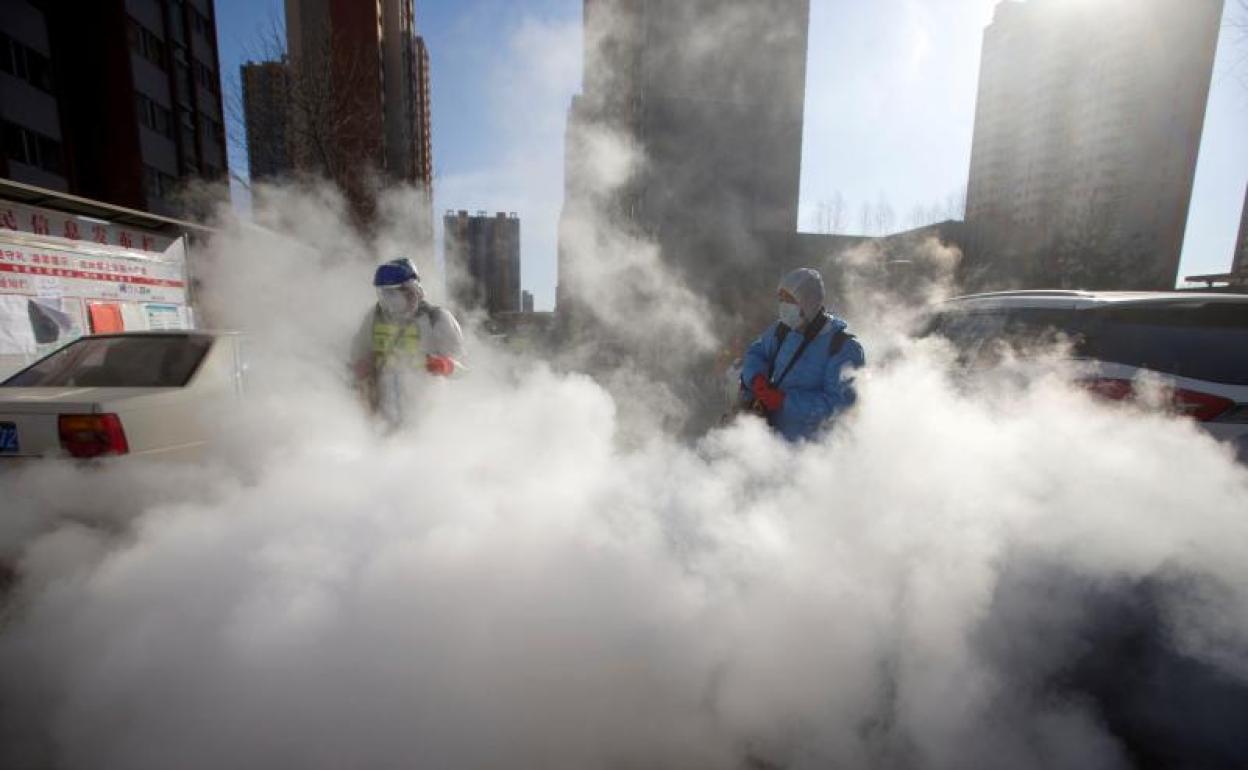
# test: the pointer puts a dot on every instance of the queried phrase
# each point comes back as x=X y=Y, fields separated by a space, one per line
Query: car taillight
x=1192 y=403
x=1114 y=390
x=92 y=435
x=1200 y=406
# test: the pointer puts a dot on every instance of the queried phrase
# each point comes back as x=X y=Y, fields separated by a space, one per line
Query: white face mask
x=395 y=303
x=790 y=315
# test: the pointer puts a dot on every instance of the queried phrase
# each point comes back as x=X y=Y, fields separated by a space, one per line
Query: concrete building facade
x=708 y=98
x=1087 y=130
x=360 y=97
x=266 y=109
x=482 y=257
x=117 y=100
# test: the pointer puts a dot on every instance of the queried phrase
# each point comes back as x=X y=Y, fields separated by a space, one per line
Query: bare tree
x=829 y=215
x=866 y=219
x=324 y=112
x=838 y=213
x=820 y=223
x=883 y=216
x=955 y=204
x=918 y=216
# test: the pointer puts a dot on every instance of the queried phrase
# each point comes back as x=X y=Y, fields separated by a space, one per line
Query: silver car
x=148 y=394
x=1196 y=343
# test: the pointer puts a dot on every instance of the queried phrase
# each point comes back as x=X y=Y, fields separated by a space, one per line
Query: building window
x=157 y=183
x=33 y=148
x=182 y=75
x=206 y=77
x=154 y=116
x=176 y=20
x=200 y=23
x=146 y=43
x=25 y=63
x=212 y=128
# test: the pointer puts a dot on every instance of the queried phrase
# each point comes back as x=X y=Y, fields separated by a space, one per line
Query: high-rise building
x=1087 y=129
x=360 y=96
x=711 y=94
x=482 y=256
x=266 y=108
x=424 y=120
x=115 y=101
x=526 y=301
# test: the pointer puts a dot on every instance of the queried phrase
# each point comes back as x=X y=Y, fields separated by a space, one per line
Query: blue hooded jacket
x=817 y=387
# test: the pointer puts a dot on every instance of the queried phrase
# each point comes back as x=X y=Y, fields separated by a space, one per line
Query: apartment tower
x=708 y=97
x=360 y=97
x=482 y=256
x=266 y=108
x=115 y=100
x=1087 y=129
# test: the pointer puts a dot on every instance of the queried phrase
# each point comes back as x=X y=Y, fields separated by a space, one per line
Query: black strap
x=812 y=330
x=782 y=331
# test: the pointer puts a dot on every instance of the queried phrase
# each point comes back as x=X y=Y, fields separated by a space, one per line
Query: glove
x=770 y=397
x=439 y=366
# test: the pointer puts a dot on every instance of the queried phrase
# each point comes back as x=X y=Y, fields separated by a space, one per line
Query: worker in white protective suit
x=403 y=339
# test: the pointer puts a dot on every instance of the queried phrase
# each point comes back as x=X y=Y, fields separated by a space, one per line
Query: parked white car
x=145 y=394
x=1196 y=344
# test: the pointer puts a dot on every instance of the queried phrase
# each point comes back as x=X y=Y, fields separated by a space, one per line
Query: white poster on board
x=134 y=317
x=17 y=335
x=164 y=317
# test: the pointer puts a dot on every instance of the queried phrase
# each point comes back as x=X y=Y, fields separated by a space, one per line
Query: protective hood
x=806 y=286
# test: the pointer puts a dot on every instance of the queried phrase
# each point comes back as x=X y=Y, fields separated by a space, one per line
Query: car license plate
x=8 y=438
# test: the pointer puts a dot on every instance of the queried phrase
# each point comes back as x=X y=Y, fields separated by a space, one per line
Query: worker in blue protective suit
x=799 y=373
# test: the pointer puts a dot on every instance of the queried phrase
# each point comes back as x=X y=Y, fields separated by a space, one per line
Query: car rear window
x=1204 y=341
x=142 y=361
x=1020 y=327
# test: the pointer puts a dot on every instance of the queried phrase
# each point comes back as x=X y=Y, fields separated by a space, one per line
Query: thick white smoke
x=503 y=584
x=506 y=582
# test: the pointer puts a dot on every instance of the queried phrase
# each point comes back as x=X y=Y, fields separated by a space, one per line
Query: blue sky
x=889 y=112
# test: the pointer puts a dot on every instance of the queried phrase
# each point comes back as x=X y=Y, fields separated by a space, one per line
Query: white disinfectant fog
x=505 y=583
x=962 y=574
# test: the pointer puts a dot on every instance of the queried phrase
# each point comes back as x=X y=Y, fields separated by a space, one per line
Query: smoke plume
x=533 y=571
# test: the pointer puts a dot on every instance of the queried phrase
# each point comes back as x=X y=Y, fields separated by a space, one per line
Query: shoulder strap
x=812 y=331
x=782 y=331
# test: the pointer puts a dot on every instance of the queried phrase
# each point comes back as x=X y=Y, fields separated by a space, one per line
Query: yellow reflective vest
x=395 y=343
